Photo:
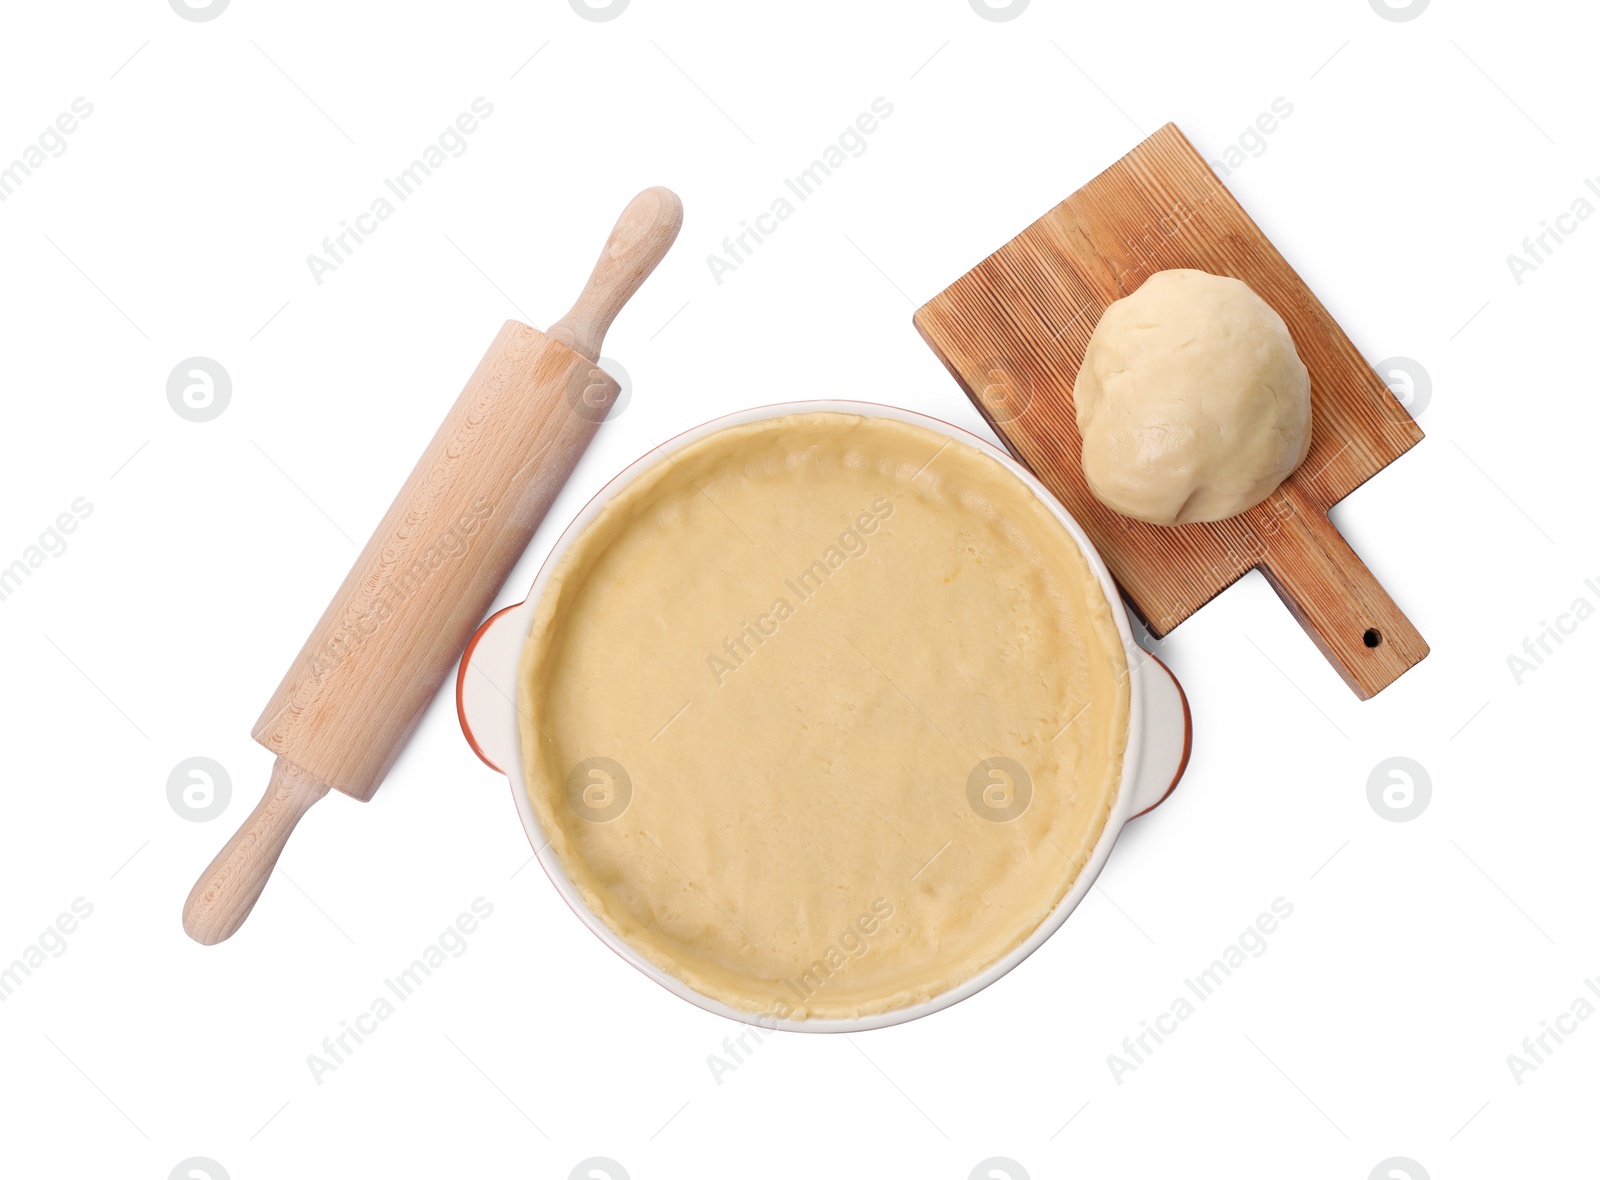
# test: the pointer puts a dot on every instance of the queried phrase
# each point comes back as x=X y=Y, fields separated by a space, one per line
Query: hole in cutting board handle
x=1372 y=637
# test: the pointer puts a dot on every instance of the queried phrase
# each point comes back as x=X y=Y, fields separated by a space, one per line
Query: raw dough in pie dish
x=823 y=714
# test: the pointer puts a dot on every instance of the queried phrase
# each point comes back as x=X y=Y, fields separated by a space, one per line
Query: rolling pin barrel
x=432 y=567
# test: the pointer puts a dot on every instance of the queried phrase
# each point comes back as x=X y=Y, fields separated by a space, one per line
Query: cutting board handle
x=1339 y=602
x=638 y=241
x=227 y=891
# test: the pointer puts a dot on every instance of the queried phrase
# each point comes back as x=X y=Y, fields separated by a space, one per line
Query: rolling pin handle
x=504 y=438
x=640 y=239
x=226 y=892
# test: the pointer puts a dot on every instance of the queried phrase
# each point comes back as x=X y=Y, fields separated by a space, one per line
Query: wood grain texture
x=1013 y=332
x=227 y=891
x=641 y=236
x=398 y=623
x=395 y=628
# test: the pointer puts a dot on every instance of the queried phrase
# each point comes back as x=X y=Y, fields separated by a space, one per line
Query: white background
x=220 y=153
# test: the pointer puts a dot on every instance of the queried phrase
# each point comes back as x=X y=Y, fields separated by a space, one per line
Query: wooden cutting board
x=1013 y=331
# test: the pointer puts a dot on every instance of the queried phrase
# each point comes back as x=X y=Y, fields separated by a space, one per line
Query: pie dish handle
x=1168 y=734
x=486 y=687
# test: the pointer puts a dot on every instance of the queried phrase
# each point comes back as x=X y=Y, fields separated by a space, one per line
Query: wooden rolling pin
x=428 y=574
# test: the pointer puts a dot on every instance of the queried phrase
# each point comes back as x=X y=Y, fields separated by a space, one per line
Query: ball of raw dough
x=1192 y=402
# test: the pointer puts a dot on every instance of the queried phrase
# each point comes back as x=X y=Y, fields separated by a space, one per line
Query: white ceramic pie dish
x=1159 y=727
